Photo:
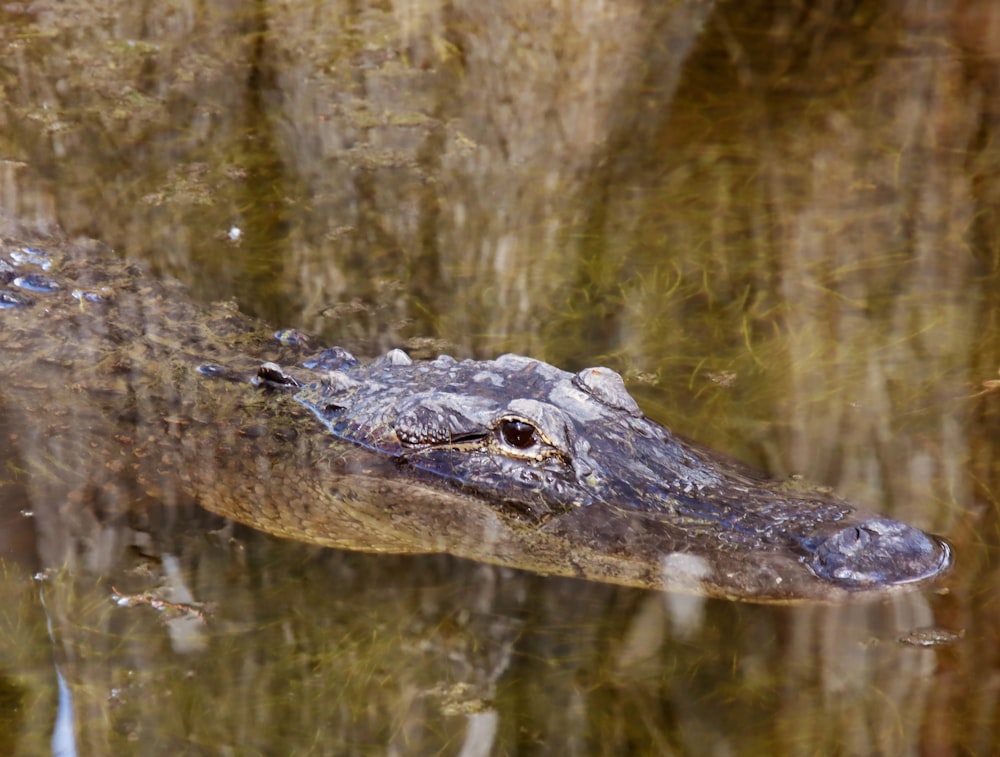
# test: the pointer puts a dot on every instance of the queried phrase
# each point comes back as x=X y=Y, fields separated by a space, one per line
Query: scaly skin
x=511 y=461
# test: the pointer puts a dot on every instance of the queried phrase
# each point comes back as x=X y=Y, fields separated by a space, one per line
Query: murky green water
x=780 y=223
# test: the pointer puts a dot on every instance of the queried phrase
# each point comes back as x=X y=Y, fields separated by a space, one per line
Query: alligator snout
x=878 y=552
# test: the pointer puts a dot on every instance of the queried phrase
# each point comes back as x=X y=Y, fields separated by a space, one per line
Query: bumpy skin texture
x=547 y=442
x=118 y=391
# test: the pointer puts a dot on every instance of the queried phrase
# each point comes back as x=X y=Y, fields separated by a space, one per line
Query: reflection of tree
x=810 y=215
x=442 y=653
x=953 y=716
x=798 y=241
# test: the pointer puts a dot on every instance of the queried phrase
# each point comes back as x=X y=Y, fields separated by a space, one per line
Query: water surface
x=779 y=223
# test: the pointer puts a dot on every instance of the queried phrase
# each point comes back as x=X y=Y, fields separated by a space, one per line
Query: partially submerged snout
x=877 y=552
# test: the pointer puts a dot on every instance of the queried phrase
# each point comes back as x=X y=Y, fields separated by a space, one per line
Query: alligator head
x=544 y=443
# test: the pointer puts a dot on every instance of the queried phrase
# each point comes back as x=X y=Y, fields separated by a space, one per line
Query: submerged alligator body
x=132 y=391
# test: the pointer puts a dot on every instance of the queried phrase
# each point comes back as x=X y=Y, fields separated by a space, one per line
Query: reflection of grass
x=293 y=657
x=796 y=299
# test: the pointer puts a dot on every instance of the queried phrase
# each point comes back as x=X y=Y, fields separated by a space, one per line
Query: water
x=779 y=223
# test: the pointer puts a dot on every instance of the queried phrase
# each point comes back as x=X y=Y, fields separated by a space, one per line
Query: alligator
x=124 y=390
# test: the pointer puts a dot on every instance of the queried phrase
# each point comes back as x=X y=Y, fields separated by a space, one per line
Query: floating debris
x=931 y=636
x=148 y=598
x=292 y=337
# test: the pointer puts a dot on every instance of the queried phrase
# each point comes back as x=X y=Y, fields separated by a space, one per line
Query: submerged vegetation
x=777 y=221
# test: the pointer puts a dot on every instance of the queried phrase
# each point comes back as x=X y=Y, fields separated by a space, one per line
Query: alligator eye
x=518 y=434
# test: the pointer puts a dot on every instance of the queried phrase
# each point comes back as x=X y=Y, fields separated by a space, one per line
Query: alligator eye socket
x=518 y=434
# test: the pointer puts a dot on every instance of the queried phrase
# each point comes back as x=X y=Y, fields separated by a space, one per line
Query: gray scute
x=608 y=387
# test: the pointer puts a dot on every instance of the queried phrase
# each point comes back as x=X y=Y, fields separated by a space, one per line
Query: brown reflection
x=780 y=219
x=443 y=655
x=833 y=273
x=441 y=147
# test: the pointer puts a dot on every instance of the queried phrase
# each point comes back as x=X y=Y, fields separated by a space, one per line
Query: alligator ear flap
x=608 y=388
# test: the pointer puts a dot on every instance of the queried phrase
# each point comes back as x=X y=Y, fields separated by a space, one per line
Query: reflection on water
x=779 y=222
x=419 y=655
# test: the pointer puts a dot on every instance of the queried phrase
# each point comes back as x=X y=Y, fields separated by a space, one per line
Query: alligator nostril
x=878 y=552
